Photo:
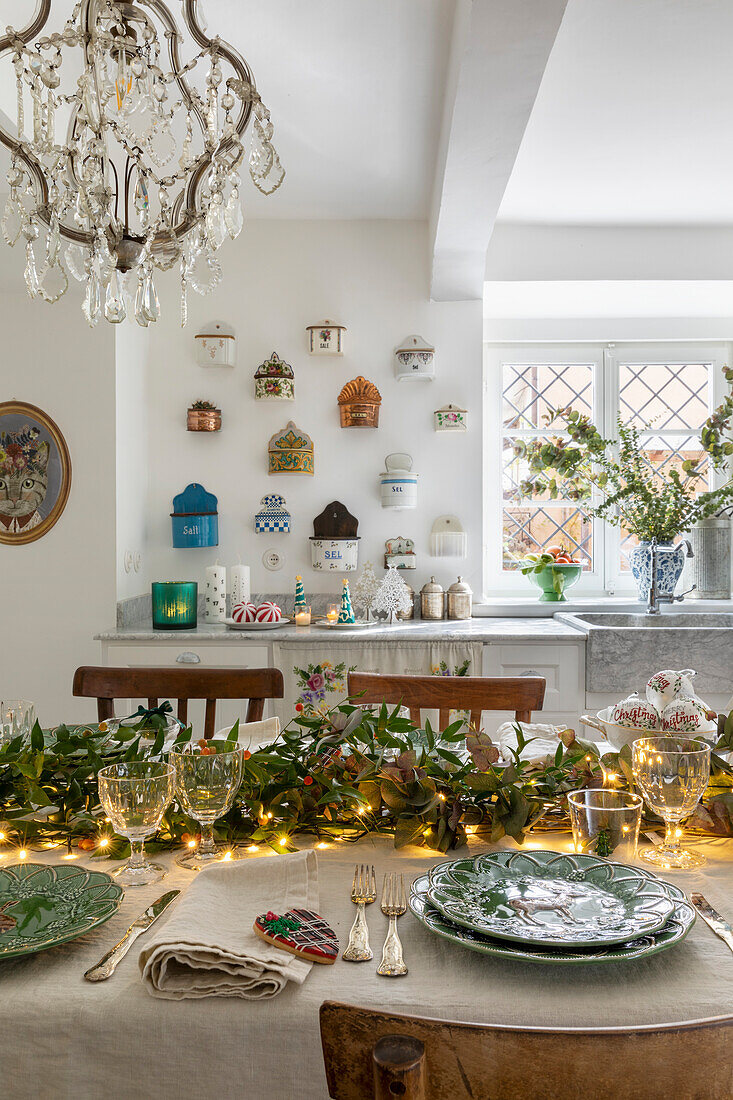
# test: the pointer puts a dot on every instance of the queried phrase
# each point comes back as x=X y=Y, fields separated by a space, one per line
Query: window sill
x=527 y=608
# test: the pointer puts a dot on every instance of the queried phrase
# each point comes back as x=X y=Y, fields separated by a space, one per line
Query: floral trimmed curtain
x=316 y=675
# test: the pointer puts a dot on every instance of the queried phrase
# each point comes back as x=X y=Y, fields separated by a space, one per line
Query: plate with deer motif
x=42 y=906
x=549 y=898
x=679 y=924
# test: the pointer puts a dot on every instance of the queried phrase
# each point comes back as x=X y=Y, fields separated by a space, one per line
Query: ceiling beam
x=499 y=51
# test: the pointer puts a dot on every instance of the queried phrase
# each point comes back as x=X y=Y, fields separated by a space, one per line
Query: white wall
x=58 y=591
x=278 y=278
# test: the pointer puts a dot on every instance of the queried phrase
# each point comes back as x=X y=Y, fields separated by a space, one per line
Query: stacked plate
x=550 y=907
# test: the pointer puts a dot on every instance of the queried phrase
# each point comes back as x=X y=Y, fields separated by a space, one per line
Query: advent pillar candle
x=215 y=607
x=239 y=584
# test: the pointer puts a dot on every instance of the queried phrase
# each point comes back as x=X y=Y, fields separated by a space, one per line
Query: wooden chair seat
x=380 y=1055
x=521 y=694
x=107 y=684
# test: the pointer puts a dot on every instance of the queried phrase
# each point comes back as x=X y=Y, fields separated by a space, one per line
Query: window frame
x=606 y=578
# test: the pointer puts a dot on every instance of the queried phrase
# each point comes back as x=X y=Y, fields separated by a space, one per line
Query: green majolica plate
x=41 y=906
x=676 y=928
x=550 y=899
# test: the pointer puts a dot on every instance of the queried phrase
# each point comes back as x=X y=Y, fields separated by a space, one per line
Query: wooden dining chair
x=378 y=1055
x=522 y=694
x=107 y=684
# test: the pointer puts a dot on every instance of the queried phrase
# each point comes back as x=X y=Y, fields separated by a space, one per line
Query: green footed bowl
x=554 y=581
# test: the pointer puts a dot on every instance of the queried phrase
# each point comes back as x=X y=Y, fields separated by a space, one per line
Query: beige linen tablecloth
x=63 y=1037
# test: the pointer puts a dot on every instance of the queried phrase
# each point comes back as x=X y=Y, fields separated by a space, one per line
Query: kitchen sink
x=623 y=650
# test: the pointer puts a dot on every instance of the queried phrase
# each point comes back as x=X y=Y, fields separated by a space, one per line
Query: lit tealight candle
x=332 y=613
x=303 y=615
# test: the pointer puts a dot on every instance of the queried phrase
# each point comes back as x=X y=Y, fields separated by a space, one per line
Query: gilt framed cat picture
x=35 y=472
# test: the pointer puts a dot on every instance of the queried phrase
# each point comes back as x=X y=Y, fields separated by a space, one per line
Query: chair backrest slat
x=367 y=1054
x=107 y=684
x=521 y=694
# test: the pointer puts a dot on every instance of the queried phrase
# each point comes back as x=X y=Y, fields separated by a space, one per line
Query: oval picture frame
x=22 y=427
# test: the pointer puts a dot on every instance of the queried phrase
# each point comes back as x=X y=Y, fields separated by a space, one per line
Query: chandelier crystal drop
x=127 y=154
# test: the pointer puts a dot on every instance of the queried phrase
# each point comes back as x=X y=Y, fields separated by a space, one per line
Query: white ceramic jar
x=398 y=484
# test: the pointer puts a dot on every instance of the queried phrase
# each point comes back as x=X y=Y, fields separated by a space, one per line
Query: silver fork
x=394 y=905
x=363 y=893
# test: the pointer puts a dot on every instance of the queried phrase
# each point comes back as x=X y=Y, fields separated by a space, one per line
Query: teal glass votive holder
x=175 y=605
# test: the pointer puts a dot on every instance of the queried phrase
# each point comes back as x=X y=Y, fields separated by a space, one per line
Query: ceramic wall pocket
x=273 y=518
x=216 y=346
x=290 y=451
x=359 y=403
x=400 y=553
x=202 y=416
x=670 y=563
x=398 y=484
x=326 y=338
x=274 y=380
x=195 y=518
x=448 y=538
x=414 y=359
x=335 y=543
x=450 y=418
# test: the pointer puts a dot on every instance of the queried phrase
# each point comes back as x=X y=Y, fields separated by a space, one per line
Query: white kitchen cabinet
x=187 y=654
x=562 y=664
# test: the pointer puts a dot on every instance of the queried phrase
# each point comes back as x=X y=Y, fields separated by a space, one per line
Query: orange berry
x=246 y=754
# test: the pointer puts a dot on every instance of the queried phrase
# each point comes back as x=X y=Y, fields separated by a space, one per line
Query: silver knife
x=106 y=966
x=713 y=918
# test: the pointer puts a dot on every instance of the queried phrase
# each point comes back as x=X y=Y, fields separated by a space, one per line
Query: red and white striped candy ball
x=268 y=613
x=244 y=613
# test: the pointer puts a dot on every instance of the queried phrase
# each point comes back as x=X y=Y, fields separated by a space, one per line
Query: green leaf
x=407 y=831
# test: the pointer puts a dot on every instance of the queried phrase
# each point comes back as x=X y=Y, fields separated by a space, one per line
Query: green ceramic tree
x=346 y=614
x=299 y=592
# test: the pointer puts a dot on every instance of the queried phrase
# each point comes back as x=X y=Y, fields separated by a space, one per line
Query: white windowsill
x=522 y=607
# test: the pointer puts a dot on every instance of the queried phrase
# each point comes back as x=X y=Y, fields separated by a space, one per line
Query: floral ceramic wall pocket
x=290 y=451
x=326 y=338
x=216 y=346
x=400 y=552
x=450 y=419
x=274 y=380
x=414 y=359
x=35 y=472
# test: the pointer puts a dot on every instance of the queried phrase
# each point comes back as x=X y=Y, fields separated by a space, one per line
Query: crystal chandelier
x=148 y=174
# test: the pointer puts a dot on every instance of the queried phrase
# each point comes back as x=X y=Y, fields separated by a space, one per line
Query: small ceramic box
x=290 y=451
x=216 y=346
x=195 y=518
x=326 y=338
x=398 y=484
x=274 y=380
x=414 y=360
x=450 y=419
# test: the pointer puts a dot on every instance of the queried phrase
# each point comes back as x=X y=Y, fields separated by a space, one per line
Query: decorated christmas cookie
x=268 y=613
x=244 y=612
x=301 y=932
x=637 y=712
x=665 y=686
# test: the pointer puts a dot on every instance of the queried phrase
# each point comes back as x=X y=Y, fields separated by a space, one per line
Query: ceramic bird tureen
x=359 y=403
x=326 y=338
x=274 y=380
x=290 y=451
x=414 y=359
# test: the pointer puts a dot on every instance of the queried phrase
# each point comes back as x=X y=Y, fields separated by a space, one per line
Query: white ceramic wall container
x=398 y=484
x=414 y=360
x=334 y=555
x=216 y=346
x=450 y=418
x=326 y=338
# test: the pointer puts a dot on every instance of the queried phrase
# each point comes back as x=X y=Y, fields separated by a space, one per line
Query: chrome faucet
x=654 y=599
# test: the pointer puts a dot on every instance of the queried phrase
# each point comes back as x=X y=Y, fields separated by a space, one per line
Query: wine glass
x=672 y=772
x=134 y=796
x=207 y=779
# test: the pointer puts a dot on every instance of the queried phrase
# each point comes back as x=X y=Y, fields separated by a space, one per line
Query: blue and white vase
x=670 y=563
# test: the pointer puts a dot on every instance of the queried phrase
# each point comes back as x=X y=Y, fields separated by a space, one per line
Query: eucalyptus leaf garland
x=337 y=775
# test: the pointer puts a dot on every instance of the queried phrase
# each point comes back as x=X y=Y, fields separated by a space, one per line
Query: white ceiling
x=633 y=121
x=355 y=88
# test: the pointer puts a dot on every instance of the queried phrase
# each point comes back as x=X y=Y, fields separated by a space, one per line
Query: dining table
x=65 y=1037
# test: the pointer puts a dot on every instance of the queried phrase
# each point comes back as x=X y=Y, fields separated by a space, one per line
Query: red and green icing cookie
x=301 y=932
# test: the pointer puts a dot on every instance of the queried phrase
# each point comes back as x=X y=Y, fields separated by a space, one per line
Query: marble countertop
x=482 y=629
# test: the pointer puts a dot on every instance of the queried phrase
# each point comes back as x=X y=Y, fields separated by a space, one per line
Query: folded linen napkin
x=208 y=947
x=254 y=735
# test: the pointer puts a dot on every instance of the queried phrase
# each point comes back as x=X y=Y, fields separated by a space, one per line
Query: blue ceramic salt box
x=195 y=518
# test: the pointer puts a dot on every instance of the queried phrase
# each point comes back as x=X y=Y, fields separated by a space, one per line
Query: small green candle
x=175 y=605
